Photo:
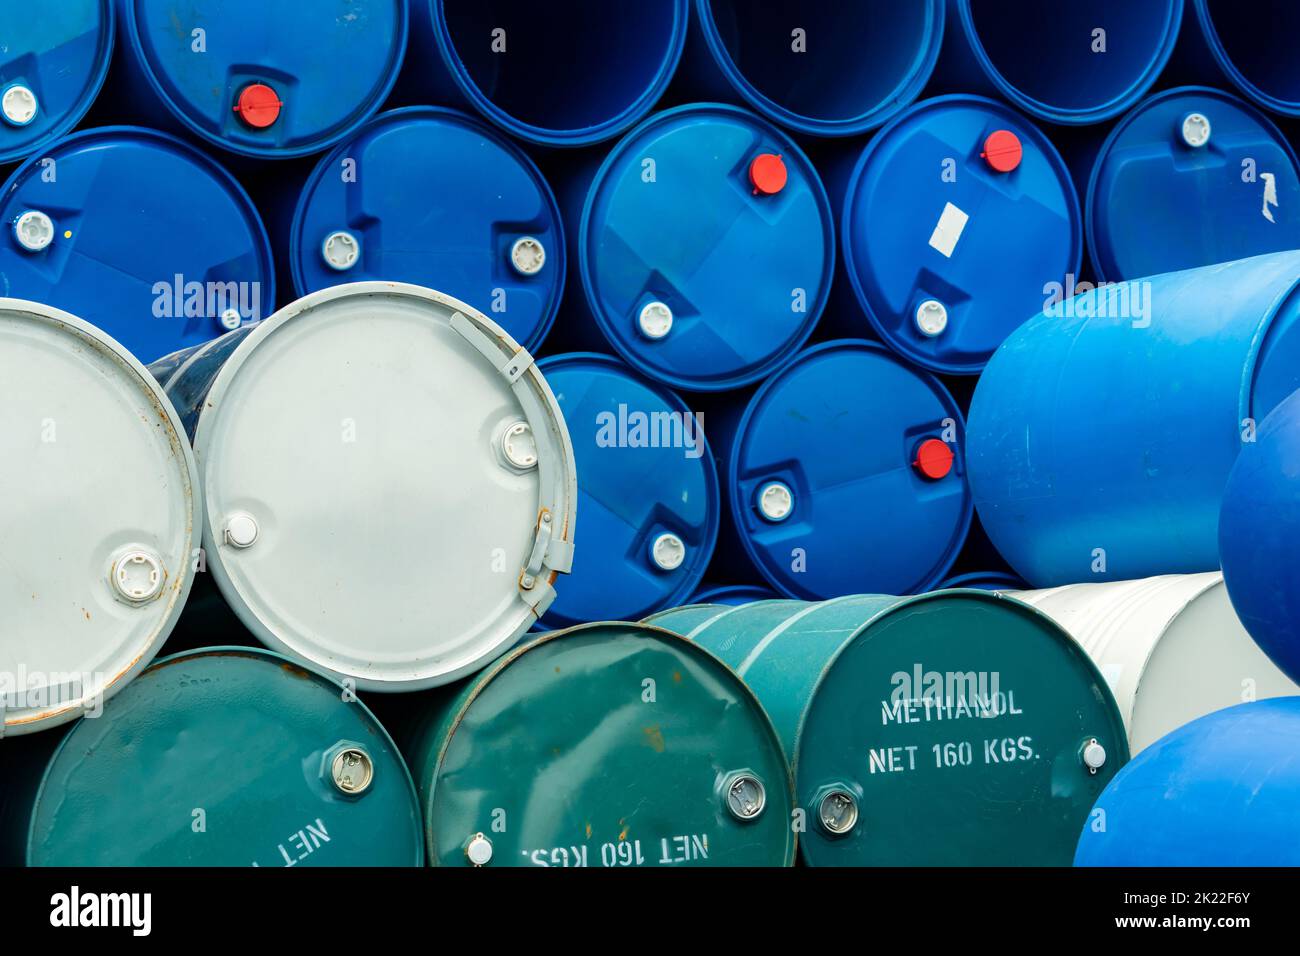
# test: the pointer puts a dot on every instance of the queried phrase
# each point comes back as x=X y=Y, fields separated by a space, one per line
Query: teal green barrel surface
x=226 y=757
x=954 y=728
x=605 y=745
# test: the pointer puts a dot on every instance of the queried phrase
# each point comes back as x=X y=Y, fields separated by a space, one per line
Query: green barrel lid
x=960 y=727
x=227 y=757
x=603 y=745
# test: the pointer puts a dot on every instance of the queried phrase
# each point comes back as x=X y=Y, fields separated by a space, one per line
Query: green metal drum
x=612 y=745
x=954 y=728
x=221 y=757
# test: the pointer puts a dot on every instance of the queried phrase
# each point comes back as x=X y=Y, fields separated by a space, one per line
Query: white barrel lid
x=98 y=501
x=408 y=531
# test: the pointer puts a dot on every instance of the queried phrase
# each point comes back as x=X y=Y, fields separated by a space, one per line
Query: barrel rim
x=73 y=116
x=387 y=118
x=1081 y=116
x=561 y=494
x=398 y=45
x=712 y=481
x=1091 y=237
x=607 y=327
x=1009 y=578
x=187 y=464
x=907 y=90
x=732 y=478
x=270 y=656
x=543 y=136
x=1046 y=148
x=1238 y=78
x=239 y=196
x=480 y=681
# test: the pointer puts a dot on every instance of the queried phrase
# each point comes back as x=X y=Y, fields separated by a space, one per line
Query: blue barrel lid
x=576 y=73
x=986 y=581
x=52 y=65
x=1258 y=57
x=269 y=79
x=847 y=475
x=872 y=58
x=141 y=235
x=1193 y=176
x=647 y=491
x=1070 y=63
x=957 y=214
x=707 y=247
x=732 y=594
x=438 y=199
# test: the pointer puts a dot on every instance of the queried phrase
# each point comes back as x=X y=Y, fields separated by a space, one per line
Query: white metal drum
x=1171 y=648
x=98 y=508
x=389 y=483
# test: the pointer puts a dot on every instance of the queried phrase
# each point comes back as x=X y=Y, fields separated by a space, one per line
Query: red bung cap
x=767 y=174
x=258 y=106
x=933 y=459
x=1002 y=150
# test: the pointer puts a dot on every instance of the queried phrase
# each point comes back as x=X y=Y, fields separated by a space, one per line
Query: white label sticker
x=951 y=223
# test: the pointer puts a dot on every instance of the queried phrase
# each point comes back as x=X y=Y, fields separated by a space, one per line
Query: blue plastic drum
x=52 y=64
x=439 y=199
x=957 y=218
x=140 y=234
x=1072 y=63
x=985 y=581
x=555 y=74
x=706 y=248
x=846 y=475
x=647 y=492
x=263 y=79
x=1191 y=177
x=1259 y=536
x=824 y=67
x=1103 y=431
x=1254 y=45
x=1220 y=791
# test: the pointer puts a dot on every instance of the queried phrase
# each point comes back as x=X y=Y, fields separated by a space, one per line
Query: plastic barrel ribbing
x=1102 y=432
